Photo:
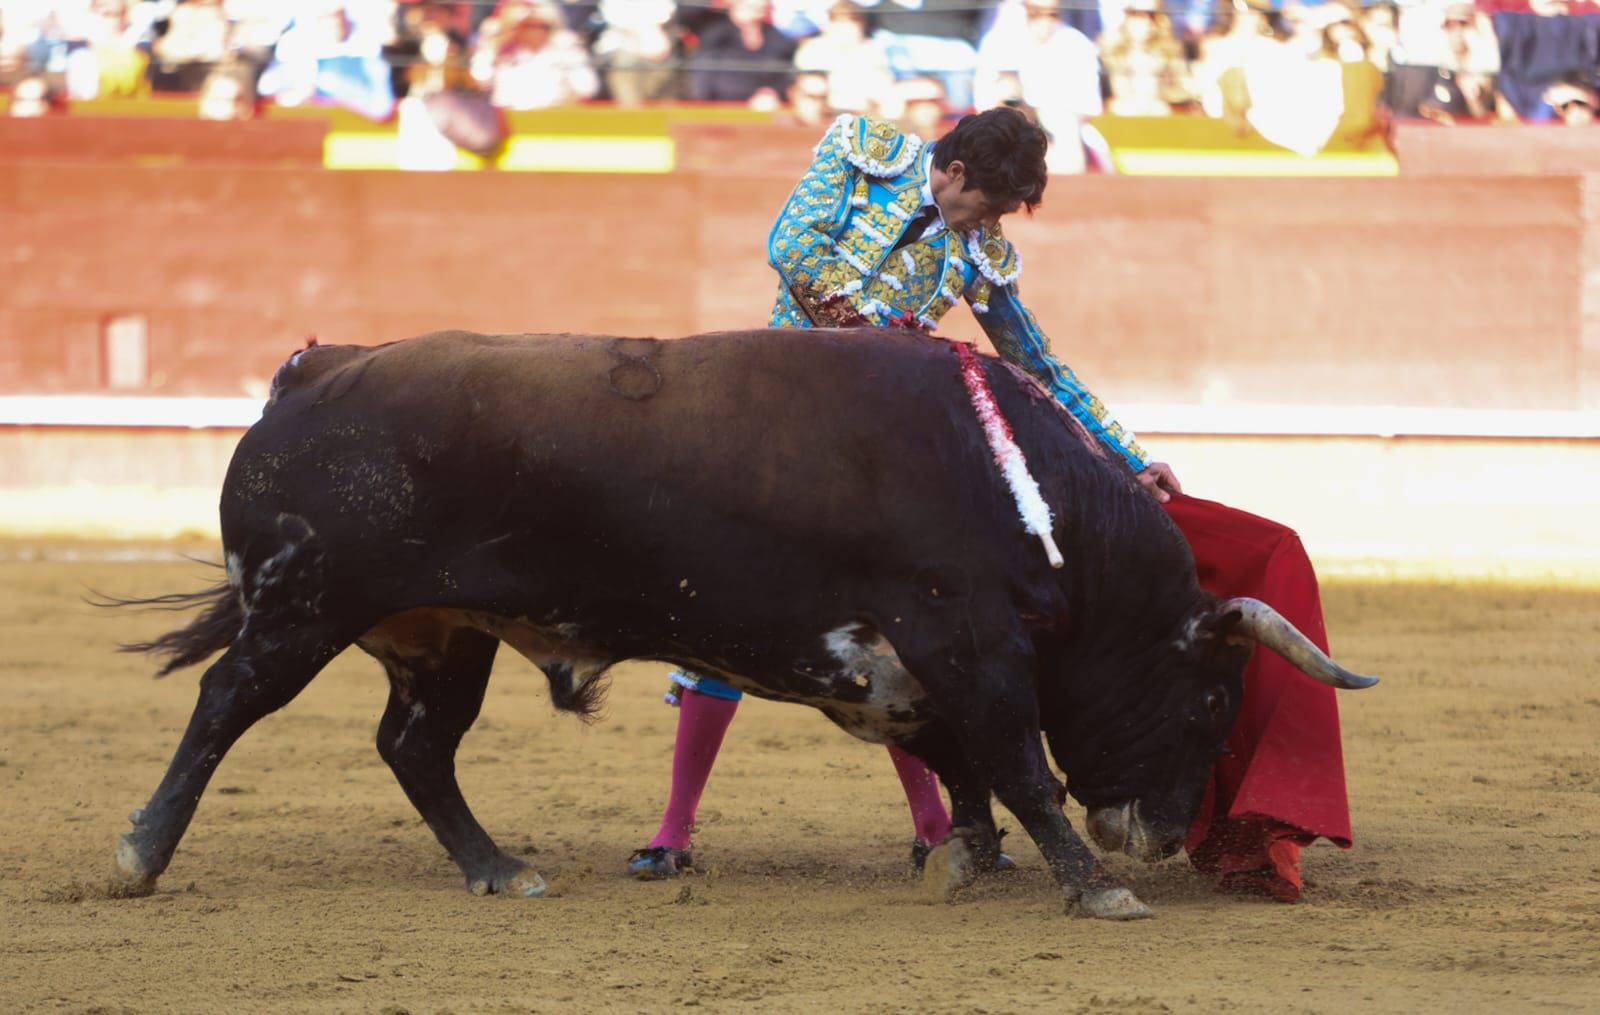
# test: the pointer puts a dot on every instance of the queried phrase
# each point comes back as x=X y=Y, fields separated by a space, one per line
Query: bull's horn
x=1261 y=623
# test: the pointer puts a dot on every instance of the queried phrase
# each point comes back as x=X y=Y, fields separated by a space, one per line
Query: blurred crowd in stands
x=1305 y=76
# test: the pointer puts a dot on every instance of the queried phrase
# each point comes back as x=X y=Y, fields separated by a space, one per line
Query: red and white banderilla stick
x=1036 y=517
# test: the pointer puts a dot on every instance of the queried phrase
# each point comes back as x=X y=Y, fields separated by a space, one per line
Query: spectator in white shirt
x=857 y=69
x=636 y=47
x=1053 y=68
x=534 y=62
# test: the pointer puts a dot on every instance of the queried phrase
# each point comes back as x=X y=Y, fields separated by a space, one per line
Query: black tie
x=917 y=224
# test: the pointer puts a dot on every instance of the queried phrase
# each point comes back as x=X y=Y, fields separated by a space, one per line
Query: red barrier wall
x=162 y=140
x=1343 y=291
x=1426 y=149
x=778 y=149
x=1427 y=292
x=235 y=267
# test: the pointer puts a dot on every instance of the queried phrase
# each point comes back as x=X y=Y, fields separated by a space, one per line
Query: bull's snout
x=1122 y=829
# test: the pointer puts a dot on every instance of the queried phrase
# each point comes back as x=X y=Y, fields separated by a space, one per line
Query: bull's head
x=1142 y=769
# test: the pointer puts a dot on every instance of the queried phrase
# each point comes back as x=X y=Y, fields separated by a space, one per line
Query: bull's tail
x=572 y=691
x=212 y=631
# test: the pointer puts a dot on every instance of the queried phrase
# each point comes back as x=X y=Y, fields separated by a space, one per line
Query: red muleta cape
x=1283 y=784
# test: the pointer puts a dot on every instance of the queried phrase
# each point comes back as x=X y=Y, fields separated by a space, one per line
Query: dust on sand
x=307 y=881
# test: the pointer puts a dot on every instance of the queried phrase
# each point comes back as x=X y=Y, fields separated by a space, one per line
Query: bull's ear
x=1209 y=629
x=1225 y=627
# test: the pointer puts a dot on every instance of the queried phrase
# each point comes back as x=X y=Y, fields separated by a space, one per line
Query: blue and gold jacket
x=836 y=238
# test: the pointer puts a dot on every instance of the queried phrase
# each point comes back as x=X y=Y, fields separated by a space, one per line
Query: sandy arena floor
x=307 y=882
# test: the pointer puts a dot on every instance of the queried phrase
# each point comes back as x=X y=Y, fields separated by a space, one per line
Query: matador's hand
x=1159 y=479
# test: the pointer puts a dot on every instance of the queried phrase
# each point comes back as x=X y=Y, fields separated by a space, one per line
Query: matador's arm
x=1018 y=339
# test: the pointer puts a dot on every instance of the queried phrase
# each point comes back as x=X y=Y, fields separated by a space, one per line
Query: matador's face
x=965 y=208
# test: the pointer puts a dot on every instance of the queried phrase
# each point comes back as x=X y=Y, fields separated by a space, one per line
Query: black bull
x=812 y=516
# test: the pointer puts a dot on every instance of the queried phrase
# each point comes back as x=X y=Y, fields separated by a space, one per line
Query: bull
x=812 y=516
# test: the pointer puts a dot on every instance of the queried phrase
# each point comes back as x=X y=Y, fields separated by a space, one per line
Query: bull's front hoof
x=524 y=882
x=135 y=878
x=1115 y=903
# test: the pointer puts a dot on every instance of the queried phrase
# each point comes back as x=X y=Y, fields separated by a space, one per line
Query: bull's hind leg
x=258 y=675
x=437 y=677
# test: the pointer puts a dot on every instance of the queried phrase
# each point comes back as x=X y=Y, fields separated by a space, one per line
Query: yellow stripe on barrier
x=1178 y=162
x=364 y=150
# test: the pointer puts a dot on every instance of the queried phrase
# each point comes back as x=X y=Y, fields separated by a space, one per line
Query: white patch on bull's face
x=892 y=693
x=1190 y=636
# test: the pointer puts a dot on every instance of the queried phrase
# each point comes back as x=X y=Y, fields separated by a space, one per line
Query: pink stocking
x=702 y=721
x=922 y=793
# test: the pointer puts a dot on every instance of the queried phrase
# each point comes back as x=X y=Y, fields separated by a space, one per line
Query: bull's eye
x=1216 y=703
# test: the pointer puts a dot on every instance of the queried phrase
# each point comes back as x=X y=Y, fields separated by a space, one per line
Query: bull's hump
x=333 y=370
x=314 y=365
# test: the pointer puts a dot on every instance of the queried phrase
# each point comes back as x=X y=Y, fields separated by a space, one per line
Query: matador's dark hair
x=1003 y=151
